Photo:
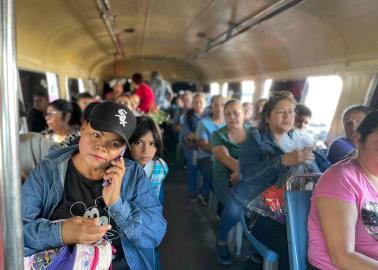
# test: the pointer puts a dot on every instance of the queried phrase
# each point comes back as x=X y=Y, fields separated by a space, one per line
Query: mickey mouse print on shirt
x=97 y=210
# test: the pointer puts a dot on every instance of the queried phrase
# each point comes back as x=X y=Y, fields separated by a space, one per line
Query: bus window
x=214 y=89
x=266 y=88
x=73 y=88
x=224 y=90
x=323 y=109
x=52 y=86
x=81 y=86
x=30 y=82
x=373 y=95
x=248 y=90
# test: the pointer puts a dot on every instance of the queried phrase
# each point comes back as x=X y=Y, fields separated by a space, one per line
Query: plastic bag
x=271 y=202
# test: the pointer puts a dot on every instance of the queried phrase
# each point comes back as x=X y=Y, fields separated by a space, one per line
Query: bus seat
x=270 y=257
x=297 y=206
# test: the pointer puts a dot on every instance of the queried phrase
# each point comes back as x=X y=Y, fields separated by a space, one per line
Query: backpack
x=80 y=257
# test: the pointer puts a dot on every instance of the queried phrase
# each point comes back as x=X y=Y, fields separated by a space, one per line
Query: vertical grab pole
x=11 y=237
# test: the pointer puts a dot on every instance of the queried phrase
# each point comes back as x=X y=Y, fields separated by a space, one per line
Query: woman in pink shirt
x=343 y=220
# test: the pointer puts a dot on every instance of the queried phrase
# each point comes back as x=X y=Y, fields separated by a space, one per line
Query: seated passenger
x=124 y=99
x=94 y=176
x=269 y=153
x=258 y=106
x=344 y=146
x=248 y=114
x=146 y=148
x=84 y=99
x=33 y=148
x=206 y=127
x=226 y=149
x=302 y=116
x=35 y=120
x=63 y=120
x=343 y=219
x=189 y=123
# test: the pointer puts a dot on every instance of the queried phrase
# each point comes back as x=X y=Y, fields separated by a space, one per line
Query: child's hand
x=79 y=230
x=112 y=192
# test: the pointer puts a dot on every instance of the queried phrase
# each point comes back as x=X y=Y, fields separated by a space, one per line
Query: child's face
x=144 y=149
x=98 y=148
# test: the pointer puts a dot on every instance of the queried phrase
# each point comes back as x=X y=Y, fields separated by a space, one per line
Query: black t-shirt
x=83 y=197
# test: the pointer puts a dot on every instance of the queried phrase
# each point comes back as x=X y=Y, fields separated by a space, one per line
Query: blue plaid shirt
x=158 y=174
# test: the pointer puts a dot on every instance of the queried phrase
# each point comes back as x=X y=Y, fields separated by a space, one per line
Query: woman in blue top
x=189 y=123
x=205 y=129
x=78 y=194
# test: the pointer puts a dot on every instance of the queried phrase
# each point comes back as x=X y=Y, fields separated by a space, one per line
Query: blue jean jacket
x=138 y=213
x=260 y=166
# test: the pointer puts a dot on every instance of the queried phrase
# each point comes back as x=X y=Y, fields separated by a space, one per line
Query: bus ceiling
x=195 y=40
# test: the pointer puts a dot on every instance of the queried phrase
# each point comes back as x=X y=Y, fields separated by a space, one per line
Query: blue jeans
x=229 y=218
x=192 y=169
x=205 y=166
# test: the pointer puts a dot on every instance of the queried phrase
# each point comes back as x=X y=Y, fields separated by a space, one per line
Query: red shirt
x=147 y=98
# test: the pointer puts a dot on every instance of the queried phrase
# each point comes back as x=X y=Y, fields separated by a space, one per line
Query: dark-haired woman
x=268 y=153
x=343 y=220
x=63 y=120
x=146 y=148
x=226 y=144
x=189 y=122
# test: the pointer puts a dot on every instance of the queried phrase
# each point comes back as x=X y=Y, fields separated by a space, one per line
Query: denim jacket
x=138 y=213
x=260 y=165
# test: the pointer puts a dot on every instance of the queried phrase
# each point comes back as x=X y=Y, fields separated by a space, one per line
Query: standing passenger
x=147 y=97
x=162 y=90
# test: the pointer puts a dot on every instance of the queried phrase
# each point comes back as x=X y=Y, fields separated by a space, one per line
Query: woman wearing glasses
x=63 y=120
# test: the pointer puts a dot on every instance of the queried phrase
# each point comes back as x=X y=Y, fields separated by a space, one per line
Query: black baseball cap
x=113 y=117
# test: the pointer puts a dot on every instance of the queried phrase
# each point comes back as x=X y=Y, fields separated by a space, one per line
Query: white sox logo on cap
x=122 y=113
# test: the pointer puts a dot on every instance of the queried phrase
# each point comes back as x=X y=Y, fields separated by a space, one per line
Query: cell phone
x=109 y=181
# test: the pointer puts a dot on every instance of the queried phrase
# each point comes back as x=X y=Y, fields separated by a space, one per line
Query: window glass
x=52 y=86
x=214 y=89
x=224 y=89
x=322 y=98
x=81 y=86
x=248 y=90
x=266 y=88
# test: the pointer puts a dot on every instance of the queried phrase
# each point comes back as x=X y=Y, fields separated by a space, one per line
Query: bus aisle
x=189 y=243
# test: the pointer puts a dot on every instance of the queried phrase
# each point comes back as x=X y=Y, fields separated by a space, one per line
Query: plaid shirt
x=159 y=172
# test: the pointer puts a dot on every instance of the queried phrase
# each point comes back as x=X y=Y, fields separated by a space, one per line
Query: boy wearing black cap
x=95 y=193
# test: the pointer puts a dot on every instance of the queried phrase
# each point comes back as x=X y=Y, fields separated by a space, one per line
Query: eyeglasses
x=51 y=114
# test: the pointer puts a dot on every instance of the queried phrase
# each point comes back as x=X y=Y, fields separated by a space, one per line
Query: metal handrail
x=11 y=237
